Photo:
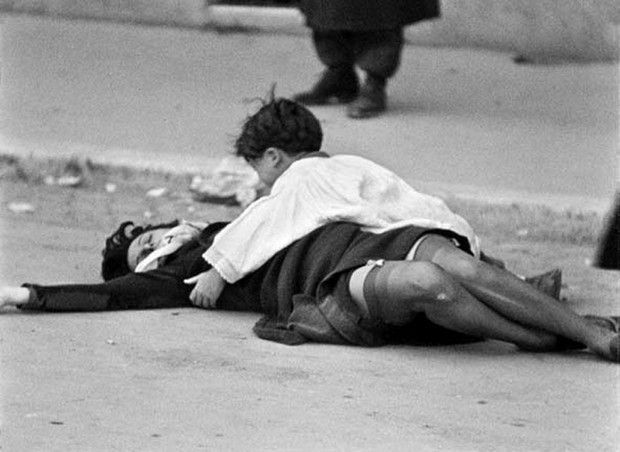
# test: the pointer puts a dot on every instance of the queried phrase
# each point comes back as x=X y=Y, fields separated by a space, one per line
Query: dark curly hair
x=114 y=263
x=280 y=123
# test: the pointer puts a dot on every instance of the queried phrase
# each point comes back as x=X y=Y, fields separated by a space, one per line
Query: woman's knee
x=442 y=251
x=428 y=281
x=465 y=267
x=403 y=288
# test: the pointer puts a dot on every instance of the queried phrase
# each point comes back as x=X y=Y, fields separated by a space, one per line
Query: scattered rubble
x=20 y=207
x=156 y=192
x=73 y=174
x=232 y=182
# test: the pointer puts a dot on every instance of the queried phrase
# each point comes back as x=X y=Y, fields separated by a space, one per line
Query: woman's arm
x=161 y=288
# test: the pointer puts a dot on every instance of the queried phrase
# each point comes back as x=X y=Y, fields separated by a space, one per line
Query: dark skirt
x=366 y=15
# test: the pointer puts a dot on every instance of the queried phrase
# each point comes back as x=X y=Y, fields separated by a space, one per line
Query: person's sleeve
x=267 y=226
x=161 y=288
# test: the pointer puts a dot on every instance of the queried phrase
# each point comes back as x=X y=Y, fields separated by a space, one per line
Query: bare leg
x=400 y=289
x=515 y=299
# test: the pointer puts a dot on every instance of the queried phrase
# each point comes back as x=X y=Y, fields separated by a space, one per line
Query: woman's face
x=143 y=245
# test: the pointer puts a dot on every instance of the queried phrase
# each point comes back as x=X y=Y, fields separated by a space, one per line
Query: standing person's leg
x=515 y=299
x=378 y=54
x=339 y=81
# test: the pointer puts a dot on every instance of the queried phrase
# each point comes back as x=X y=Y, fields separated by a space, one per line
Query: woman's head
x=280 y=123
x=128 y=245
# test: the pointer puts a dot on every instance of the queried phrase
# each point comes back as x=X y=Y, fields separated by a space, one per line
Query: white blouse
x=315 y=191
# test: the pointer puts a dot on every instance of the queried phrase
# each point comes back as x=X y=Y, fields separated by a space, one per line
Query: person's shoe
x=336 y=85
x=549 y=283
x=371 y=101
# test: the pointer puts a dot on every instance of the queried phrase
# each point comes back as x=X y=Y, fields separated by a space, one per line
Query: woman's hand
x=209 y=286
x=13 y=296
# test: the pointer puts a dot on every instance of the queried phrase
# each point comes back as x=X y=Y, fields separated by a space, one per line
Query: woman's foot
x=608 y=347
x=610 y=350
x=609 y=324
x=614 y=348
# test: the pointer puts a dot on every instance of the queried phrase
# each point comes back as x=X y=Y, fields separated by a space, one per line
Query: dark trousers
x=376 y=52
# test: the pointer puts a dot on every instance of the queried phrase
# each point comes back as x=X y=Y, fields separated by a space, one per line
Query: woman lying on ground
x=445 y=279
x=340 y=285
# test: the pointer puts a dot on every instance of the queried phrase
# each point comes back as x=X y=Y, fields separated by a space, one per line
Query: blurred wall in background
x=537 y=30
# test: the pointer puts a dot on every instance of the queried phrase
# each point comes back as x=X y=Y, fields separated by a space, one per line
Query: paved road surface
x=469 y=120
x=189 y=379
x=195 y=380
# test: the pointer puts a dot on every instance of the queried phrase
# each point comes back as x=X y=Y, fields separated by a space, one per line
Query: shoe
x=549 y=283
x=337 y=85
x=371 y=101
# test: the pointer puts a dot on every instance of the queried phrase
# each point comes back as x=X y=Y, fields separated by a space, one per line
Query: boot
x=371 y=100
x=336 y=84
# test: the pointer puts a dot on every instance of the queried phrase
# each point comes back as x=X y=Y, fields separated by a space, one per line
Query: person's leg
x=397 y=291
x=339 y=81
x=377 y=53
x=549 y=282
x=514 y=299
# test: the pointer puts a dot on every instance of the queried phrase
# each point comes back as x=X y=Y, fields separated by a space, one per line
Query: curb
x=555 y=202
x=261 y=19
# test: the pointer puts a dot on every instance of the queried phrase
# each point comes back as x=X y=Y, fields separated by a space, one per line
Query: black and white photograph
x=309 y=225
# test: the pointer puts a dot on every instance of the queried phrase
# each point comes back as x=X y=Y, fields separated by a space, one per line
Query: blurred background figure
x=368 y=35
x=608 y=254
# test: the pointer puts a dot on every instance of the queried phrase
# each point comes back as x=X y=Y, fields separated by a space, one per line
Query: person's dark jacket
x=366 y=15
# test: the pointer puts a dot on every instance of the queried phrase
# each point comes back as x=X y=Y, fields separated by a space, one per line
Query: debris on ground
x=73 y=174
x=231 y=182
x=20 y=207
x=70 y=181
x=64 y=181
x=156 y=192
